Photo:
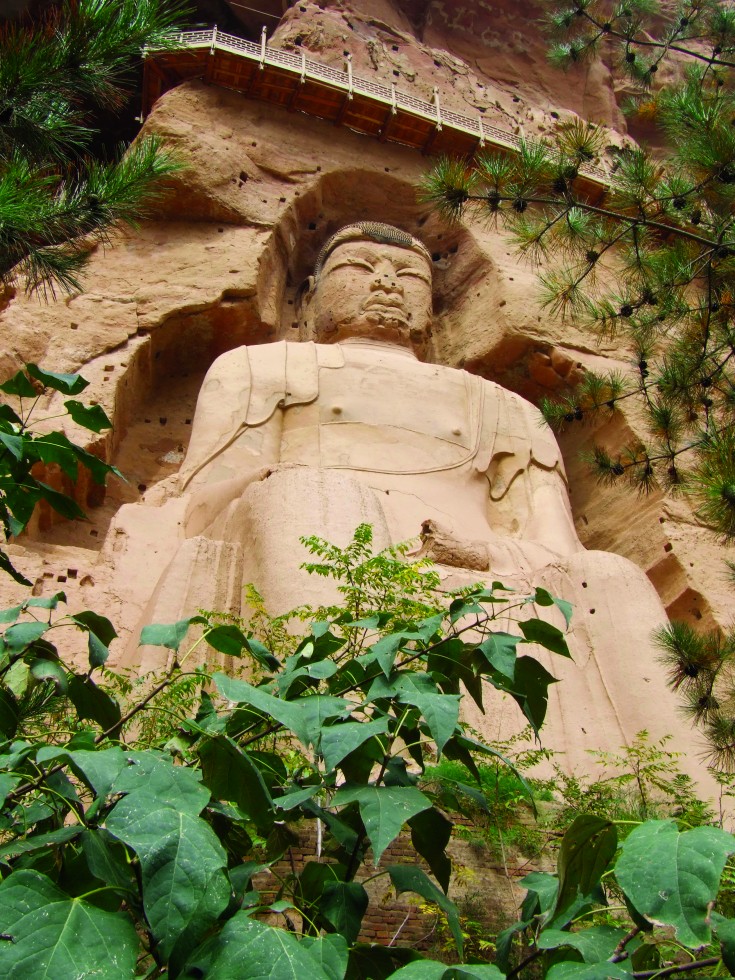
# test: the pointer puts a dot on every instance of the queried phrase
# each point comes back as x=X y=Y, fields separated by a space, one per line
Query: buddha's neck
x=382 y=345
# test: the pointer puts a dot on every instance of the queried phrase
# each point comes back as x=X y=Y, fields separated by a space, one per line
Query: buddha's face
x=367 y=289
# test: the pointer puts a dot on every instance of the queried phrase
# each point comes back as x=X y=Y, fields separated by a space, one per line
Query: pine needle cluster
x=57 y=199
x=652 y=263
x=701 y=670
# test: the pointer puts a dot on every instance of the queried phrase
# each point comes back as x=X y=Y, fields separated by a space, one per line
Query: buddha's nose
x=387 y=281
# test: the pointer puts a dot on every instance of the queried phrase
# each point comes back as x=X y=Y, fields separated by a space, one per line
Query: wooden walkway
x=298 y=83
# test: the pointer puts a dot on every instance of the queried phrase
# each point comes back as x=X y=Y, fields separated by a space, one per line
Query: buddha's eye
x=415 y=273
x=354 y=262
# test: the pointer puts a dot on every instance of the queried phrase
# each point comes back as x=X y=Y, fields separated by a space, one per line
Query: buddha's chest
x=384 y=414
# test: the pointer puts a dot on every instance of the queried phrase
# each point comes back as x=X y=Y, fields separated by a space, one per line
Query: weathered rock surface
x=221 y=264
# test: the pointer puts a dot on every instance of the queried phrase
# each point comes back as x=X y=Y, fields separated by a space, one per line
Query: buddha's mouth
x=388 y=308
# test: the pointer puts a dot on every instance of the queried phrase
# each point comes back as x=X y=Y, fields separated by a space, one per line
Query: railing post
x=303 y=67
x=393 y=99
x=263 y=43
x=482 y=132
x=349 y=76
x=435 y=100
x=214 y=40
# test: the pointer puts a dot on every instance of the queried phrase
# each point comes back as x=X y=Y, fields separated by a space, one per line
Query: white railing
x=349 y=83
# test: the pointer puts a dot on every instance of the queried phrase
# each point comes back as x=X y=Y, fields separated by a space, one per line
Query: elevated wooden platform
x=297 y=83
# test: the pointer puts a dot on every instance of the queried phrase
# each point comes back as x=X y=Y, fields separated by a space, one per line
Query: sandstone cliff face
x=221 y=264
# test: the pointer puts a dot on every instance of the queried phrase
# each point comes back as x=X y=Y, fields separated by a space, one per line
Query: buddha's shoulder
x=253 y=355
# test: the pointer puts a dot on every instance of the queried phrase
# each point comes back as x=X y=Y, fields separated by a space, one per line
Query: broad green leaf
x=10 y=614
x=500 y=651
x=543 y=889
x=15 y=444
x=154 y=774
x=433 y=970
x=544 y=598
x=246 y=949
x=596 y=944
x=304 y=716
x=504 y=942
x=35 y=842
x=141 y=774
x=19 y=385
x=322 y=669
x=262 y=654
x=55 y=448
x=185 y=888
x=107 y=859
x=546 y=635
x=293 y=799
x=169 y=635
x=588 y=971
x=530 y=688
x=7 y=415
x=341 y=739
x=422 y=970
x=384 y=810
x=231 y=775
x=56 y=936
x=94 y=703
x=92 y=417
x=343 y=833
x=98 y=770
x=409 y=878
x=672 y=877
x=67 y=384
x=7 y=785
x=226 y=639
x=464 y=606
x=101 y=634
x=21 y=635
x=8 y=568
x=61 y=502
x=16 y=755
x=440 y=711
x=725 y=934
x=8 y=713
x=343 y=904
x=586 y=851
x=45 y=602
x=430 y=833
x=474 y=971
x=384 y=652
x=647 y=956
x=330 y=954
x=371 y=962
x=50 y=670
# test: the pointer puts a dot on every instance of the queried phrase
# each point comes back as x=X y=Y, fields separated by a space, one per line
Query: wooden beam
x=429 y=142
x=343 y=109
x=385 y=126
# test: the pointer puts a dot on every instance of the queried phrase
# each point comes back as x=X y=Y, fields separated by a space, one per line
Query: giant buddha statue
x=352 y=426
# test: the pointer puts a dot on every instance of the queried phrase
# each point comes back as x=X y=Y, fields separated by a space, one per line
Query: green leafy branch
x=26 y=456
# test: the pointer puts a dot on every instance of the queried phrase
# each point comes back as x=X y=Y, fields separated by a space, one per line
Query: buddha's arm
x=528 y=494
x=227 y=453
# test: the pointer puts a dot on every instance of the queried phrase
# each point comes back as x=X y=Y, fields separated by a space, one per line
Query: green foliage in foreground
x=135 y=835
x=121 y=859
x=23 y=449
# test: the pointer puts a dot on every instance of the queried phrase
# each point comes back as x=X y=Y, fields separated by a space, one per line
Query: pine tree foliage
x=653 y=262
x=56 y=199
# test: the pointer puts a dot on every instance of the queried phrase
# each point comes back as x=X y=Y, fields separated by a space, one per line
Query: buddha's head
x=374 y=281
